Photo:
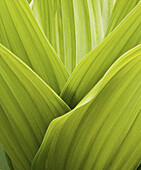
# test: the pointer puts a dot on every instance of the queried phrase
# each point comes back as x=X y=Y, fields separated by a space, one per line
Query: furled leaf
x=21 y=34
x=57 y=21
x=105 y=132
x=107 y=7
x=73 y=27
x=27 y=106
x=121 y=9
x=92 y=68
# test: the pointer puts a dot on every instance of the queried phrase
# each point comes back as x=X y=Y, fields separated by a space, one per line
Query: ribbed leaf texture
x=70 y=84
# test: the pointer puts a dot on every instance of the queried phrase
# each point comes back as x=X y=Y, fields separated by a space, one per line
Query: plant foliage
x=70 y=84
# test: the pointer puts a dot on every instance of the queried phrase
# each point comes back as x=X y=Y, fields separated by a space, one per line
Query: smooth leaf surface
x=27 y=106
x=103 y=133
x=21 y=34
x=92 y=68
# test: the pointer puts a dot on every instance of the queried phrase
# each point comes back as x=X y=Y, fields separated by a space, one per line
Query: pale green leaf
x=92 y=68
x=121 y=9
x=27 y=106
x=73 y=27
x=107 y=7
x=21 y=34
x=103 y=134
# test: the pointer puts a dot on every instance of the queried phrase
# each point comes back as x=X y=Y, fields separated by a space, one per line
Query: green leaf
x=105 y=132
x=3 y=161
x=29 y=1
x=72 y=27
x=27 y=106
x=121 y=9
x=57 y=21
x=21 y=34
x=107 y=7
x=75 y=27
x=139 y=167
x=92 y=68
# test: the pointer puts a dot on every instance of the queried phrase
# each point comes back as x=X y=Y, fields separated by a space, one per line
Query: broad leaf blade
x=27 y=106
x=21 y=34
x=103 y=133
x=121 y=62
x=57 y=21
x=92 y=68
x=73 y=27
x=120 y=10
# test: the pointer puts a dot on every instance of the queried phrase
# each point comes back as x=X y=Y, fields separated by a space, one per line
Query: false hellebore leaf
x=91 y=69
x=105 y=132
x=3 y=160
x=27 y=106
x=99 y=43
x=21 y=34
x=75 y=27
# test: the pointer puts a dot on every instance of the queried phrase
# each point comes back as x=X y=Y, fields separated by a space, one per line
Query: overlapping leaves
x=103 y=130
x=61 y=22
x=91 y=69
x=27 y=106
x=21 y=34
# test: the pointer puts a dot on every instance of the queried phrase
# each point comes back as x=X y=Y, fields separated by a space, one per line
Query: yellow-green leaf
x=105 y=132
x=27 y=106
x=92 y=68
x=21 y=34
x=73 y=27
